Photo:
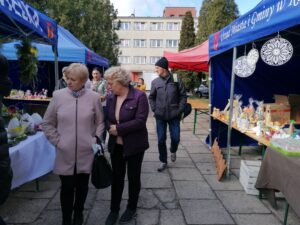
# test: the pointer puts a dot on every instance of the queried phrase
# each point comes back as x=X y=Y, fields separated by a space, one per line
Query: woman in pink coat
x=72 y=120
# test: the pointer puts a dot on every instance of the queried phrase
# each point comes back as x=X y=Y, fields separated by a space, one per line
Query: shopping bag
x=101 y=170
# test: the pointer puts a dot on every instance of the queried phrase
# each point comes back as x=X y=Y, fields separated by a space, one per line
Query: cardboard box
x=294 y=101
x=248 y=175
x=281 y=99
x=277 y=112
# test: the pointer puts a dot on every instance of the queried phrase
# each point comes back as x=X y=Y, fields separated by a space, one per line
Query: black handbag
x=101 y=170
x=187 y=109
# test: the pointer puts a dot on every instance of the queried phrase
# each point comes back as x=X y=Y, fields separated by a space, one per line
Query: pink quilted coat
x=71 y=124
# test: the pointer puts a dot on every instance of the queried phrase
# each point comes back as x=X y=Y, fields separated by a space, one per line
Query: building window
x=116 y=25
x=139 y=43
x=125 y=43
x=154 y=59
x=139 y=26
x=139 y=59
x=124 y=59
x=156 y=26
x=156 y=43
x=173 y=26
x=125 y=26
x=172 y=43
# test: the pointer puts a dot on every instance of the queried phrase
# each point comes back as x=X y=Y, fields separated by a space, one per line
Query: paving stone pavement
x=186 y=193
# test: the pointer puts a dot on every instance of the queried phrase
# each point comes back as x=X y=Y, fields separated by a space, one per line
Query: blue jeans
x=161 y=129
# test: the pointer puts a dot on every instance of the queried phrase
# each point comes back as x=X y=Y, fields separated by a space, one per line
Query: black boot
x=67 y=220
x=112 y=218
x=67 y=212
x=127 y=216
x=80 y=197
x=66 y=200
x=78 y=218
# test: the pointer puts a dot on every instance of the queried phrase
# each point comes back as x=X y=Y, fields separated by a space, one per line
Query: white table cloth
x=31 y=159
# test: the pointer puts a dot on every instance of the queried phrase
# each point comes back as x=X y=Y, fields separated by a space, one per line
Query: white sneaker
x=173 y=157
x=162 y=167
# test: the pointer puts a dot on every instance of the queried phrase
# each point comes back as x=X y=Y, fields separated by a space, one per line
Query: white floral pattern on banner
x=276 y=51
x=253 y=56
x=242 y=68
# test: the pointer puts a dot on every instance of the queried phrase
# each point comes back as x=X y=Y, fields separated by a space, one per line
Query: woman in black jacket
x=5 y=169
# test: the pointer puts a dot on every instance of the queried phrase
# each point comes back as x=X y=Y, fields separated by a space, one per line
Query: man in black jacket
x=167 y=100
x=5 y=169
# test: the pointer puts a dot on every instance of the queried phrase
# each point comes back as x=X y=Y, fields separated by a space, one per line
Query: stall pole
x=230 y=112
x=210 y=103
x=56 y=65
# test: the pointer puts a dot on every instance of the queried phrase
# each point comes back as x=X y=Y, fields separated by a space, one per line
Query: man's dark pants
x=161 y=129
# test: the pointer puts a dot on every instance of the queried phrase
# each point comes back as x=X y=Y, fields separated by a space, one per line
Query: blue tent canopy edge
x=17 y=18
x=268 y=17
x=70 y=49
x=90 y=56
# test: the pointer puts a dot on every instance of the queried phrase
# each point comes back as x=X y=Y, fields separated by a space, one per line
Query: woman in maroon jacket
x=127 y=110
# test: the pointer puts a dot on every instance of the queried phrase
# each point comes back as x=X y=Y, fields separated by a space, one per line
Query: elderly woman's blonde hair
x=81 y=69
x=116 y=73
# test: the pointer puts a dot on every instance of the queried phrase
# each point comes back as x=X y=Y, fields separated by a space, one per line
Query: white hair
x=116 y=73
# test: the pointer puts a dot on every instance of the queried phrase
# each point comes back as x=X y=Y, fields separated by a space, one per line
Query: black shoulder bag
x=101 y=170
x=187 y=107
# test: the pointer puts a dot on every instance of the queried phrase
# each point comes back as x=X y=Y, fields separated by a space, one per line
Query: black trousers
x=74 y=190
x=134 y=166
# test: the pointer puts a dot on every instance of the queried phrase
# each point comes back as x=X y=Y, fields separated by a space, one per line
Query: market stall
x=19 y=20
x=70 y=49
x=255 y=81
x=193 y=59
x=34 y=155
x=270 y=24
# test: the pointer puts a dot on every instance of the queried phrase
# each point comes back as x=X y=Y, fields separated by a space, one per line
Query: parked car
x=202 y=91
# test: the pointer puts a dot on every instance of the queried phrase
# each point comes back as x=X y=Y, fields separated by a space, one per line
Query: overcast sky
x=156 y=7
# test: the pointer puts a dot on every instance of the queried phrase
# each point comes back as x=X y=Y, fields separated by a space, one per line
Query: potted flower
x=27 y=62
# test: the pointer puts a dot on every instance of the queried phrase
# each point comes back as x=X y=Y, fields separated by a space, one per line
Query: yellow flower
x=33 y=51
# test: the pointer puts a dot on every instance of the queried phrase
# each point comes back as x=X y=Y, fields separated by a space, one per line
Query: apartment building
x=178 y=11
x=144 y=39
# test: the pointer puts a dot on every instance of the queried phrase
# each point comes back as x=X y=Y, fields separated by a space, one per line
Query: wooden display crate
x=248 y=175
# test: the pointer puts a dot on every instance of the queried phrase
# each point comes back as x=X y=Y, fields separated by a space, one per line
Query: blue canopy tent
x=262 y=23
x=19 y=20
x=70 y=49
x=90 y=57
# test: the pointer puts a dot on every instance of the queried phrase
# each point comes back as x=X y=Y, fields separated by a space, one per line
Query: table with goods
x=274 y=126
x=270 y=124
x=32 y=155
